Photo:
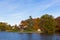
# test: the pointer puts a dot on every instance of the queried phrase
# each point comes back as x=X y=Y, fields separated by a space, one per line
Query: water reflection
x=37 y=37
x=25 y=36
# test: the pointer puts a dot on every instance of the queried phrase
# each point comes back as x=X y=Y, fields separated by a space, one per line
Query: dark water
x=24 y=36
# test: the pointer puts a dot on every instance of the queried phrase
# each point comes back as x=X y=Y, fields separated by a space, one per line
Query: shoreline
x=30 y=32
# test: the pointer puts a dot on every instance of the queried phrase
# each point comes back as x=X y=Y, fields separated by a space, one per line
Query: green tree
x=48 y=23
x=15 y=28
x=30 y=23
x=4 y=26
x=8 y=28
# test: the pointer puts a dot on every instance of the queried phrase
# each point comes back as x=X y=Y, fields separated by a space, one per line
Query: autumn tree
x=36 y=23
x=58 y=24
x=48 y=23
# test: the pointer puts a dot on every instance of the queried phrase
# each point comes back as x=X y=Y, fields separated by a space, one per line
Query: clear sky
x=13 y=11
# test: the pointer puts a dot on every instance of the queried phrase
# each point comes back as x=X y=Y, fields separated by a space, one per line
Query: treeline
x=47 y=23
x=7 y=27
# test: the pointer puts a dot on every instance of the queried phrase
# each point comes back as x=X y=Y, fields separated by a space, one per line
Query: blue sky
x=14 y=11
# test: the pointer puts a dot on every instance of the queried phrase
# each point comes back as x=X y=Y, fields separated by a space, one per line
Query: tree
x=58 y=25
x=4 y=27
x=48 y=23
x=31 y=24
x=15 y=28
x=58 y=22
x=36 y=23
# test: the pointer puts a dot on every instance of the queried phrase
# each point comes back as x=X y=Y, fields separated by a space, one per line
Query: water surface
x=25 y=36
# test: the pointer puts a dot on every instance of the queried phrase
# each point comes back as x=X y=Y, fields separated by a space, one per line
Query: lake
x=25 y=36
